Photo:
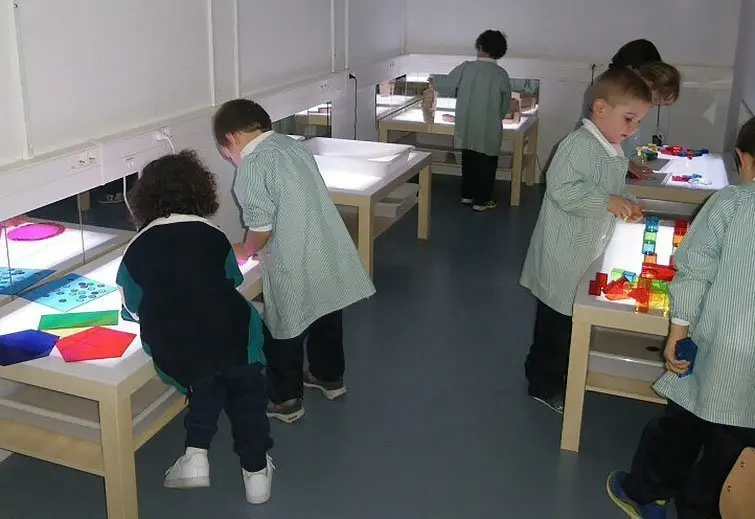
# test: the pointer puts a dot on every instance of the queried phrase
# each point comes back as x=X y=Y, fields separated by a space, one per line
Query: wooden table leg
x=532 y=152
x=424 y=203
x=576 y=382
x=382 y=133
x=365 y=238
x=117 y=434
x=516 y=170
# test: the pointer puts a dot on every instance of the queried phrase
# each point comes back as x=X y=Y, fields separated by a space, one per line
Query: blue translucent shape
x=69 y=292
x=25 y=346
x=16 y=280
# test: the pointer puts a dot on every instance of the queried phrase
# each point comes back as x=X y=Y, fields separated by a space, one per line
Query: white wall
x=578 y=30
x=742 y=103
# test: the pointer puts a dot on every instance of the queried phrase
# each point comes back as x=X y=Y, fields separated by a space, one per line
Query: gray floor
x=436 y=424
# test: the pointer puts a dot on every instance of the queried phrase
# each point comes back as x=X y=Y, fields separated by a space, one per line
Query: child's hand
x=638 y=171
x=674 y=365
x=240 y=251
x=620 y=207
x=637 y=213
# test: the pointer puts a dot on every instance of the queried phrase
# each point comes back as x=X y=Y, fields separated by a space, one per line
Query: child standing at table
x=711 y=409
x=310 y=267
x=483 y=93
x=586 y=192
x=178 y=279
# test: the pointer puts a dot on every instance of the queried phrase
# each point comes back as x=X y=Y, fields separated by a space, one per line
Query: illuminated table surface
x=111 y=383
x=394 y=100
x=661 y=186
x=352 y=188
x=624 y=252
x=524 y=136
x=315 y=117
x=61 y=253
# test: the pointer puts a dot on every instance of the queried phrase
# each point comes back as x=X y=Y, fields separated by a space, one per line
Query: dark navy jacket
x=178 y=278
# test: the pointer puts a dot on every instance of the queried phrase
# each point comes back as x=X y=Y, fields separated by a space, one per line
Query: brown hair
x=665 y=80
x=619 y=85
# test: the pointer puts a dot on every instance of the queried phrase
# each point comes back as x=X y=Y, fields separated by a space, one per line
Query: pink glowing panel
x=35 y=232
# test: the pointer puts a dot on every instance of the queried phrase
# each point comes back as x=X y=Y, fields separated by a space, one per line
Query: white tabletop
x=349 y=182
x=393 y=101
x=415 y=115
x=711 y=167
x=624 y=252
x=315 y=110
x=62 y=252
x=25 y=315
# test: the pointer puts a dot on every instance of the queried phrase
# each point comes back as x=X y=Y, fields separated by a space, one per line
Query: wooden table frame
x=112 y=457
x=368 y=227
x=524 y=139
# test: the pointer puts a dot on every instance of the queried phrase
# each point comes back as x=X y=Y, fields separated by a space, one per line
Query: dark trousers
x=478 y=176
x=668 y=464
x=241 y=392
x=548 y=360
x=285 y=357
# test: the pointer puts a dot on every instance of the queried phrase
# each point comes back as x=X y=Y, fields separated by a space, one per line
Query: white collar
x=613 y=150
x=249 y=148
x=489 y=60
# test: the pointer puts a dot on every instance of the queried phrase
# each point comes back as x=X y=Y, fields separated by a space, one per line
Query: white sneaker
x=259 y=484
x=192 y=470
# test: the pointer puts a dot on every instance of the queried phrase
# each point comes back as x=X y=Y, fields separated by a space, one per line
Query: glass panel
x=391 y=96
x=313 y=122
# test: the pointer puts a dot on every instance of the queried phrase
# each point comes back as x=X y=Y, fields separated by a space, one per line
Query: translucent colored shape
x=16 y=280
x=94 y=343
x=35 y=232
x=78 y=320
x=25 y=346
x=69 y=292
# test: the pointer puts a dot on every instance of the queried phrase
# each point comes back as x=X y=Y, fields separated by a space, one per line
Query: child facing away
x=712 y=408
x=586 y=192
x=310 y=267
x=483 y=93
x=178 y=278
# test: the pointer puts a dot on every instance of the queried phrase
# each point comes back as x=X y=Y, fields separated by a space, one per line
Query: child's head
x=665 y=81
x=236 y=124
x=622 y=99
x=635 y=54
x=745 y=151
x=173 y=184
x=491 y=44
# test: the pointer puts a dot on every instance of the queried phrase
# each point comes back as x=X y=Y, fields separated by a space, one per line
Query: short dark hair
x=665 y=80
x=635 y=54
x=239 y=115
x=173 y=184
x=620 y=85
x=746 y=138
x=493 y=43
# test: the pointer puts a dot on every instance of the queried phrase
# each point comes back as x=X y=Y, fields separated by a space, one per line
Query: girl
x=712 y=407
x=178 y=277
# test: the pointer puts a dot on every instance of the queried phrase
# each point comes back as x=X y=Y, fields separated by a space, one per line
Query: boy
x=585 y=194
x=178 y=278
x=310 y=267
x=483 y=92
x=712 y=408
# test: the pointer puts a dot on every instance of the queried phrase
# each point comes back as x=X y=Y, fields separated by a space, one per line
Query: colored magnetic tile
x=594 y=288
x=630 y=276
x=617 y=274
x=677 y=240
x=78 y=320
x=15 y=280
x=617 y=290
x=94 y=343
x=650 y=259
x=650 y=235
x=686 y=349
x=25 y=346
x=648 y=247
x=680 y=178
x=641 y=295
x=68 y=292
x=659 y=286
x=652 y=223
x=661 y=272
x=602 y=278
x=658 y=300
x=641 y=307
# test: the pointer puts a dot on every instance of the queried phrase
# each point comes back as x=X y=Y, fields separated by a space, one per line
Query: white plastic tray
x=363 y=157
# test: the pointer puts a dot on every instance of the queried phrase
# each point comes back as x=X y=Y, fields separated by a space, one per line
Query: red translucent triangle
x=94 y=343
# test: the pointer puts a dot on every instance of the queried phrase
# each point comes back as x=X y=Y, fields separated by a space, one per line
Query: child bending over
x=711 y=409
x=178 y=277
x=310 y=268
x=586 y=192
x=483 y=92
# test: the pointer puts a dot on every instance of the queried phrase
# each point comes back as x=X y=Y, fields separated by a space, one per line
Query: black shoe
x=555 y=402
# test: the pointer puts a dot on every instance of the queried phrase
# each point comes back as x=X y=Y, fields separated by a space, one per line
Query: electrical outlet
x=391 y=63
x=323 y=86
x=85 y=159
x=166 y=132
x=130 y=163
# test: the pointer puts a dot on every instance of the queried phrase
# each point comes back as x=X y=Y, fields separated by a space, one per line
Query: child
x=310 y=268
x=178 y=277
x=665 y=82
x=483 y=92
x=585 y=194
x=712 y=408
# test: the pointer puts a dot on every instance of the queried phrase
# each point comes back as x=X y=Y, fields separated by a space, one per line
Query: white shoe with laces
x=192 y=470
x=259 y=484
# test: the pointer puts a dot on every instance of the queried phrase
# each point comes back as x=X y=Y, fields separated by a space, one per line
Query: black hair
x=493 y=43
x=239 y=115
x=173 y=184
x=635 y=54
x=746 y=137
